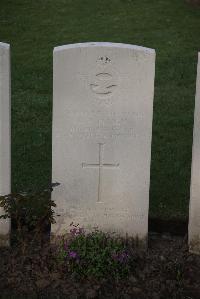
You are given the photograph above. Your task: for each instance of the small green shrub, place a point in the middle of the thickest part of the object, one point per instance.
(95, 254)
(31, 213)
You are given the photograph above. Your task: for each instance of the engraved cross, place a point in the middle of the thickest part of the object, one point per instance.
(100, 166)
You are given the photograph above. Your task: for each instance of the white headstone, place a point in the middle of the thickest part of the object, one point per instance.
(102, 128)
(5, 125)
(194, 213)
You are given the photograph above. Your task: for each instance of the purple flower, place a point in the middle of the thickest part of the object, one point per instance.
(121, 257)
(65, 246)
(114, 256)
(124, 257)
(73, 231)
(73, 254)
(77, 231)
(81, 231)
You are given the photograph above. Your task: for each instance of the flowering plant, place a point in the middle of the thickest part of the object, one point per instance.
(94, 254)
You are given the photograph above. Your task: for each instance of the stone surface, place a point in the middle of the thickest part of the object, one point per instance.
(194, 213)
(102, 128)
(5, 125)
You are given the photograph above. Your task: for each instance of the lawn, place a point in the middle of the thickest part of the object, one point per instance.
(34, 28)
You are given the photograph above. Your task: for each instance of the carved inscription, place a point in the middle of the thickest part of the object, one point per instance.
(104, 80)
(106, 213)
(100, 165)
(95, 125)
(103, 60)
(104, 84)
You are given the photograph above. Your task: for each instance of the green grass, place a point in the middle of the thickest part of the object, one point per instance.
(172, 27)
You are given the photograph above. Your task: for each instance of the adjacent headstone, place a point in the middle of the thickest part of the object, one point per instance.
(5, 125)
(102, 128)
(194, 213)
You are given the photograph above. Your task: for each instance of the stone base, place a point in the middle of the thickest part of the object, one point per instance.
(194, 245)
(141, 244)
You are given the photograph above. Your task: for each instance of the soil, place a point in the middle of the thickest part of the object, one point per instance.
(174, 226)
(165, 271)
(194, 2)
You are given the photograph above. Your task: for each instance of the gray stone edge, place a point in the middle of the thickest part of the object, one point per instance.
(106, 45)
(4, 45)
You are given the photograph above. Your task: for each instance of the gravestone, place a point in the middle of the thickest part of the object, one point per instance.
(5, 167)
(194, 213)
(102, 128)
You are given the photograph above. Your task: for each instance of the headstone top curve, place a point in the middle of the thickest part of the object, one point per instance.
(104, 44)
(4, 45)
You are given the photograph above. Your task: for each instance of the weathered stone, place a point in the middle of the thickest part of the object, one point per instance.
(194, 213)
(102, 127)
(5, 125)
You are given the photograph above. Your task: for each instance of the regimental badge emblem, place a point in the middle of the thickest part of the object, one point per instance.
(104, 80)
